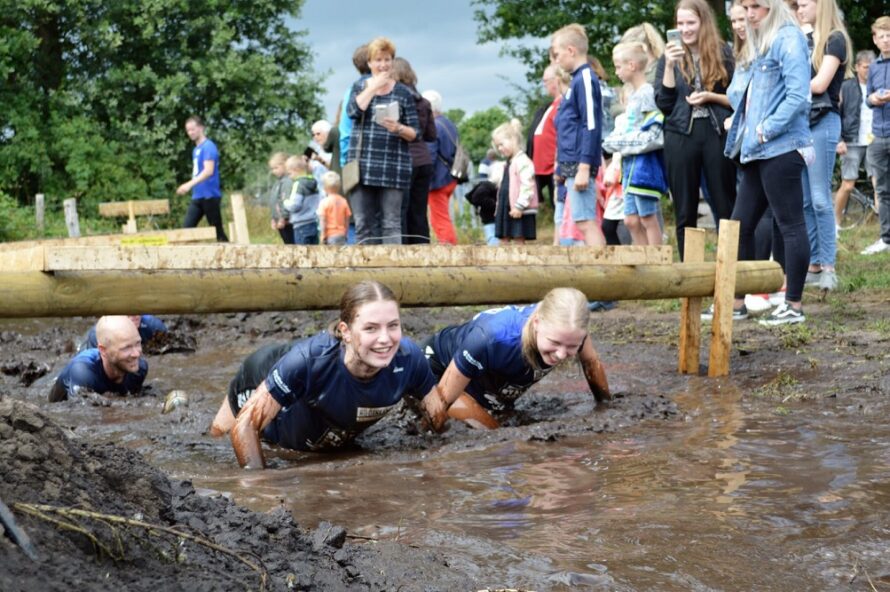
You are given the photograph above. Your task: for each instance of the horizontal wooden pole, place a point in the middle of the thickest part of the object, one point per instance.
(138, 207)
(201, 257)
(153, 237)
(94, 293)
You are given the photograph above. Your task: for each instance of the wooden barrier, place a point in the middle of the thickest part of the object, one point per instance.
(156, 237)
(133, 208)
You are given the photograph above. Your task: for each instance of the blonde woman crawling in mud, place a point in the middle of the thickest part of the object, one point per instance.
(485, 364)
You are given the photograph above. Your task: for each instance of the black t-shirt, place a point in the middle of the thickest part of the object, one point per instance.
(837, 47)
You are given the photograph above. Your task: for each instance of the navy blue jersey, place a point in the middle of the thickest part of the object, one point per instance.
(253, 371)
(148, 326)
(488, 350)
(324, 406)
(85, 372)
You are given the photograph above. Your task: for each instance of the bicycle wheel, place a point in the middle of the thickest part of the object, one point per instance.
(857, 210)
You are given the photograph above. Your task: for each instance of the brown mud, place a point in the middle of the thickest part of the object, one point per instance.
(63, 456)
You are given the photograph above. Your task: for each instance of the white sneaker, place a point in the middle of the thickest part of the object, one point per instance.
(777, 298)
(783, 315)
(879, 246)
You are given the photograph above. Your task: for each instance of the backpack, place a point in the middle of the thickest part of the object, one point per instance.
(459, 168)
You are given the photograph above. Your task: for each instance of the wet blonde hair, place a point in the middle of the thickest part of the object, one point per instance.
(357, 296)
(562, 307)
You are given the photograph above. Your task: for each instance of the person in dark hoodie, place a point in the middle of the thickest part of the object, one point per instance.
(303, 202)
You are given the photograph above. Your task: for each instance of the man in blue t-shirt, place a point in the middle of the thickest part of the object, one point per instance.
(116, 366)
(204, 185)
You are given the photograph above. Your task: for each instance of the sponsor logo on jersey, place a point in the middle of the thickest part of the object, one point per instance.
(279, 382)
(397, 369)
(472, 360)
(372, 414)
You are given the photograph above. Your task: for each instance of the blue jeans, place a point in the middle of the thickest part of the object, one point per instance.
(378, 215)
(306, 234)
(818, 206)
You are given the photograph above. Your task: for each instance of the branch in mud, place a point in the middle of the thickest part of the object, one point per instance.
(70, 522)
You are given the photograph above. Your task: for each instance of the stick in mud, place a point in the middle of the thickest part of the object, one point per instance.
(15, 532)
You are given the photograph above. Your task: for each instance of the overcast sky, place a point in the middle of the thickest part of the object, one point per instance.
(438, 37)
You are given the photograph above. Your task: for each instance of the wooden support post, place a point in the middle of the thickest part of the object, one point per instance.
(242, 236)
(71, 220)
(724, 295)
(130, 226)
(39, 208)
(690, 308)
(233, 234)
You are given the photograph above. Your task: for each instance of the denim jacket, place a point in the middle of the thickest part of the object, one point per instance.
(777, 102)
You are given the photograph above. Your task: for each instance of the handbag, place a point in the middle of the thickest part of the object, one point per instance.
(459, 168)
(351, 174)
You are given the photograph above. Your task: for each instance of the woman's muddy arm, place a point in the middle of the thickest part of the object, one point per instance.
(437, 401)
(594, 372)
(253, 418)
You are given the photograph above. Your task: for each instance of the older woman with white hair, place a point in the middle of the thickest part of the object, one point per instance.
(327, 138)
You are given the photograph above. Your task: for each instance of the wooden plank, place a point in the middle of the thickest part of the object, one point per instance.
(71, 220)
(29, 259)
(138, 207)
(724, 294)
(39, 208)
(690, 308)
(155, 237)
(227, 256)
(92, 293)
(242, 235)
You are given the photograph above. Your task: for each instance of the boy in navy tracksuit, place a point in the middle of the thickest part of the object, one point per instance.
(578, 130)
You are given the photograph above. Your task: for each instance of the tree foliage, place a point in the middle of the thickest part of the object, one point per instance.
(519, 21)
(475, 130)
(95, 93)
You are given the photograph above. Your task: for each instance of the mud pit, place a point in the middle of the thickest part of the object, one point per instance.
(773, 479)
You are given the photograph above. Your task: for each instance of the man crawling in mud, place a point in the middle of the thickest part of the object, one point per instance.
(115, 366)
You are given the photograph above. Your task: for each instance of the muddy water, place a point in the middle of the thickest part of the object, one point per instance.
(729, 495)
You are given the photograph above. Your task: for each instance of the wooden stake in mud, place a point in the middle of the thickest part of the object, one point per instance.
(39, 205)
(690, 308)
(724, 294)
(242, 236)
(130, 226)
(71, 220)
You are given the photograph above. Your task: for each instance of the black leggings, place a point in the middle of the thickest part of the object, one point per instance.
(208, 206)
(545, 182)
(415, 226)
(775, 182)
(686, 160)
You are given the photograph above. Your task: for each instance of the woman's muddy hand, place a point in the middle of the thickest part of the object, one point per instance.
(434, 409)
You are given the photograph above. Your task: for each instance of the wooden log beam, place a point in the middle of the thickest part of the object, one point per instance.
(94, 293)
(302, 257)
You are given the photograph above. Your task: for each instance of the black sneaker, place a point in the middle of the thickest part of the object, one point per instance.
(783, 315)
(739, 314)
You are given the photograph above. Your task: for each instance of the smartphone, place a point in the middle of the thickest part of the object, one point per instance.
(673, 36)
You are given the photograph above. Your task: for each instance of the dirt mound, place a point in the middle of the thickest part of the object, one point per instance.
(90, 506)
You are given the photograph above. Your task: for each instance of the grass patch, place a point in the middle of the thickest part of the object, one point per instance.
(796, 335)
(780, 387)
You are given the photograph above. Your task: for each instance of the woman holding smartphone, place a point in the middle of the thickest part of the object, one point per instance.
(690, 89)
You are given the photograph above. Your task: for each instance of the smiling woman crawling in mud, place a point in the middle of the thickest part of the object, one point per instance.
(330, 387)
(488, 362)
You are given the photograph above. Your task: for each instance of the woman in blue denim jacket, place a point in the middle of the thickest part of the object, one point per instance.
(770, 138)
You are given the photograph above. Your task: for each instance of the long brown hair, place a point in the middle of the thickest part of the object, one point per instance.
(710, 47)
(357, 296)
(565, 307)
